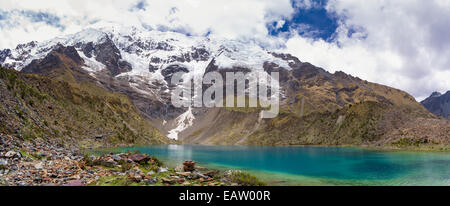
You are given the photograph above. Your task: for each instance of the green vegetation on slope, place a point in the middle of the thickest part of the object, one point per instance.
(365, 123)
(33, 106)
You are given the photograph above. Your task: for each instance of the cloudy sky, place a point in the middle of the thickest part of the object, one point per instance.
(402, 43)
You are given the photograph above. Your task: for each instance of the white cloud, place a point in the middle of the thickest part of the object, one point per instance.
(228, 19)
(403, 44)
(306, 4)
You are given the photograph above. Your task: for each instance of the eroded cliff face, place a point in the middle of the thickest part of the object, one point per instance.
(316, 107)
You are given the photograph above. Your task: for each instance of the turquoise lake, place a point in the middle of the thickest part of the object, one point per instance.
(313, 165)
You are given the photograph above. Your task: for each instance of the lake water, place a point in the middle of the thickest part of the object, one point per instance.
(313, 165)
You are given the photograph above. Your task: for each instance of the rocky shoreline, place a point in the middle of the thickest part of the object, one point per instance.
(48, 163)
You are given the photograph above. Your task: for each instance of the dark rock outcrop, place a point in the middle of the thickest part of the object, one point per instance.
(438, 104)
(172, 69)
(4, 54)
(55, 60)
(108, 54)
(88, 49)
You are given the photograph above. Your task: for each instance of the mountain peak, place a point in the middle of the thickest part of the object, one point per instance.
(138, 46)
(438, 104)
(435, 94)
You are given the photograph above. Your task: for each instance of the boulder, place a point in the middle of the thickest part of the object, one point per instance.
(139, 158)
(189, 166)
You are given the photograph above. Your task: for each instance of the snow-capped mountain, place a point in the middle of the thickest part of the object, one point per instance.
(317, 107)
(147, 52)
(146, 59)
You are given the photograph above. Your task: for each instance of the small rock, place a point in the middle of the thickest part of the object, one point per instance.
(116, 158)
(212, 173)
(179, 168)
(213, 184)
(138, 178)
(168, 181)
(42, 154)
(200, 175)
(74, 183)
(180, 180)
(10, 154)
(111, 163)
(150, 181)
(139, 158)
(200, 168)
(3, 162)
(162, 169)
(135, 178)
(39, 165)
(185, 174)
(37, 180)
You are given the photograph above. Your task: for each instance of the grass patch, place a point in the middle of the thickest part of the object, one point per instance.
(33, 156)
(114, 181)
(245, 179)
(410, 141)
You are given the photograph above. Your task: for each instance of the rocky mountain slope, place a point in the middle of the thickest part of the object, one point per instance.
(77, 114)
(38, 162)
(438, 104)
(317, 107)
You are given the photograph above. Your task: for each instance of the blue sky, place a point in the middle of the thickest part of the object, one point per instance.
(315, 22)
(404, 43)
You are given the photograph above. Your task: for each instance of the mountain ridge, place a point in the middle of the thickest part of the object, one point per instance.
(317, 107)
(75, 111)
